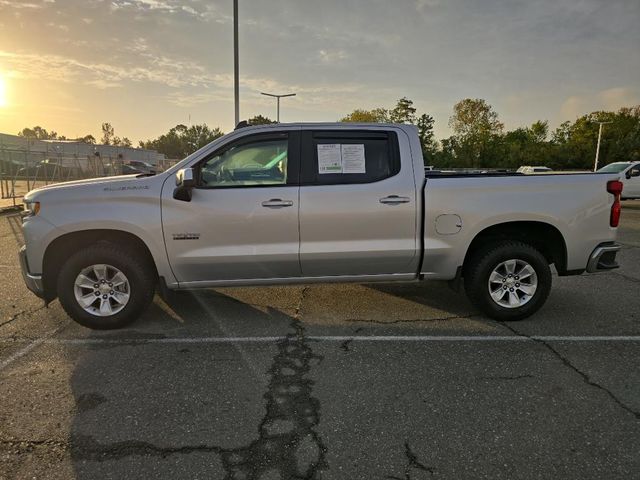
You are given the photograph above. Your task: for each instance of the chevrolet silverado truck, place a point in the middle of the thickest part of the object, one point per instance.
(313, 203)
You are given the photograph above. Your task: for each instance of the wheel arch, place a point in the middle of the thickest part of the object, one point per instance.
(65, 245)
(541, 235)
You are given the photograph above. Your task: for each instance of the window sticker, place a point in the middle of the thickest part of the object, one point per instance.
(329, 158)
(337, 158)
(353, 159)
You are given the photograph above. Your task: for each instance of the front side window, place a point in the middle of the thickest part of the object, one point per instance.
(259, 163)
(614, 167)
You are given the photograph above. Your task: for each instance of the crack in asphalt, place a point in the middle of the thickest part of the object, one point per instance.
(413, 465)
(347, 343)
(411, 320)
(19, 314)
(84, 447)
(626, 277)
(287, 442)
(499, 377)
(585, 378)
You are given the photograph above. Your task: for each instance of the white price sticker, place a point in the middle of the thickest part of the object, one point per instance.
(353, 160)
(329, 158)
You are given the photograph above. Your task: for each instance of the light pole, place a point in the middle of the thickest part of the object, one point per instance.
(595, 165)
(236, 62)
(278, 97)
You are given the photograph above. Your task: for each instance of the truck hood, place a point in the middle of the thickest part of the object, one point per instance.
(104, 184)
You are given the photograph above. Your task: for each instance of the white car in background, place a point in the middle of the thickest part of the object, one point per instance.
(527, 170)
(631, 179)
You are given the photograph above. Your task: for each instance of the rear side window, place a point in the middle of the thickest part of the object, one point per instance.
(335, 157)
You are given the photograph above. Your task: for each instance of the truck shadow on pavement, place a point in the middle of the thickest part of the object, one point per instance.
(284, 443)
(126, 397)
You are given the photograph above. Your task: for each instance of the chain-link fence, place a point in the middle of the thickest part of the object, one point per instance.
(22, 170)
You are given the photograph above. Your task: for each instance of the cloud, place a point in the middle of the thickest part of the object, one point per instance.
(615, 98)
(20, 5)
(610, 99)
(332, 56)
(573, 107)
(206, 11)
(422, 5)
(147, 67)
(191, 82)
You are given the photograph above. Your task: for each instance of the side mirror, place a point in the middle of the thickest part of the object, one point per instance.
(185, 181)
(633, 173)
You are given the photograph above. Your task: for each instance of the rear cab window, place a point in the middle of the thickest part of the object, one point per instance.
(335, 157)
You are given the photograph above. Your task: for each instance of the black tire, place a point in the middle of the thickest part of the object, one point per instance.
(482, 264)
(140, 274)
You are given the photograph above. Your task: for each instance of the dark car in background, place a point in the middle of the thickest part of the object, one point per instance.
(142, 167)
(50, 170)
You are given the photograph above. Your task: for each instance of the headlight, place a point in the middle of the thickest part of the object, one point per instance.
(31, 208)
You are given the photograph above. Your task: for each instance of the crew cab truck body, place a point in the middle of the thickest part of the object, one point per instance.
(306, 203)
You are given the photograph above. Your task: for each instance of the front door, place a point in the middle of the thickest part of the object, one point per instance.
(357, 204)
(632, 185)
(242, 220)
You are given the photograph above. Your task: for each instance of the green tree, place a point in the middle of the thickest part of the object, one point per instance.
(260, 120)
(86, 139)
(574, 144)
(107, 134)
(181, 140)
(377, 115)
(38, 133)
(475, 124)
(403, 112)
(474, 118)
(428, 141)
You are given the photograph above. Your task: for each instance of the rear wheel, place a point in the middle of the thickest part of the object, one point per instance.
(508, 280)
(103, 287)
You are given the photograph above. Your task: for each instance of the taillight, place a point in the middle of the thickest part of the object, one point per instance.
(614, 187)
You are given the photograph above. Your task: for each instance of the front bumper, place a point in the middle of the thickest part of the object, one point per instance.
(33, 282)
(604, 257)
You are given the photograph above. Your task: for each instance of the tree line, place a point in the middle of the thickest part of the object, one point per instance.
(478, 140)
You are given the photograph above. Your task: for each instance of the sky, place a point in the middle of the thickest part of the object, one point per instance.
(147, 65)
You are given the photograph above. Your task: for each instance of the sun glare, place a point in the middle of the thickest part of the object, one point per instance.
(3, 93)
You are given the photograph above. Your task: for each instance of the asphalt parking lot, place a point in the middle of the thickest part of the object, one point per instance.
(334, 382)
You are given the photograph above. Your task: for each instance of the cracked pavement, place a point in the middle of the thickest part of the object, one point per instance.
(162, 400)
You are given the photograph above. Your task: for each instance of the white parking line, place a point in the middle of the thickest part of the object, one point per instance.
(315, 338)
(20, 353)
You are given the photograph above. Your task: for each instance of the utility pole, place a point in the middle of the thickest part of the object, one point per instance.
(236, 63)
(595, 165)
(278, 97)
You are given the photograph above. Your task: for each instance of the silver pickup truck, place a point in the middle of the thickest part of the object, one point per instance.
(306, 203)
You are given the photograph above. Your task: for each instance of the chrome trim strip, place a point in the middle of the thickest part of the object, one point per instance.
(295, 280)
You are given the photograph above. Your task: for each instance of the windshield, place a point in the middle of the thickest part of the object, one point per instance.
(615, 167)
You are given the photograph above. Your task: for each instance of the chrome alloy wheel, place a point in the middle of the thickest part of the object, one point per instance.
(102, 290)
(513, 283)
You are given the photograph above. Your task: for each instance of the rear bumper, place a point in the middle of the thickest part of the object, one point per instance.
(604, 257)
(33, 282)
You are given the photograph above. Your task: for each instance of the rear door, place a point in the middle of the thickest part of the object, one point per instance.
(357, 203)
(242, 220)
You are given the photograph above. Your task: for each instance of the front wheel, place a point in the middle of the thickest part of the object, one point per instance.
(103, 287)
(508, 280)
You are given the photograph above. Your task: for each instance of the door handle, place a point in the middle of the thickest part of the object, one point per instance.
(277, 203)
(394, 200)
